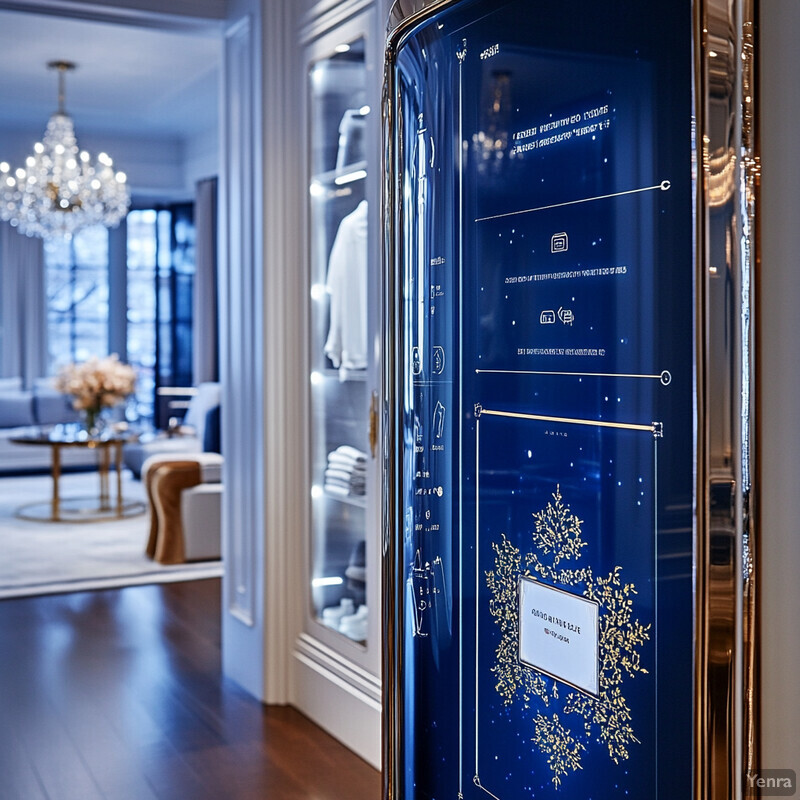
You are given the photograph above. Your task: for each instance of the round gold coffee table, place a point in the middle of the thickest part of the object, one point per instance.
(77, 509)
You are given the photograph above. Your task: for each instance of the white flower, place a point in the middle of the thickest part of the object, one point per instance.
(97, 382)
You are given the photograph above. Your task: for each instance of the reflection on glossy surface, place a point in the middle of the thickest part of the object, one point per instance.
(339, 417)
(463, 126)
(119, 694)
(725, 673)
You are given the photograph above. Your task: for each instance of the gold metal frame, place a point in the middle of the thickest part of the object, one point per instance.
(726, 536)
(726, 181)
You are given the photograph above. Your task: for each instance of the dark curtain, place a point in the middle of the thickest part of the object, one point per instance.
(23, 306)
(206, 322)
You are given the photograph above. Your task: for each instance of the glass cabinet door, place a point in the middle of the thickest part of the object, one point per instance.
(338, 339)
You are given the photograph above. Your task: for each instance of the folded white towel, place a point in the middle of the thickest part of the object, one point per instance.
(338, 490)
(345, 462)
(351, 452)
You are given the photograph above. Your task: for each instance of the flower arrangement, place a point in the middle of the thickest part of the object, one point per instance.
(95, 384)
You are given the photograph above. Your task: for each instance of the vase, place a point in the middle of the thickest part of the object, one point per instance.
(93, 421)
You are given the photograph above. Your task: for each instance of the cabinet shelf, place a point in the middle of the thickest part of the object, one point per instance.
(337, 678)
(339, 177)
(359, 501)
(352, 375)
(337, 212)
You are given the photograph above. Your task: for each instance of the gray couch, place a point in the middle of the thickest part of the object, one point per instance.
(23, 410)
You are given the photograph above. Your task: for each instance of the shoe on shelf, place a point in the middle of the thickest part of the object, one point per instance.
(332, 616)
(355, 625)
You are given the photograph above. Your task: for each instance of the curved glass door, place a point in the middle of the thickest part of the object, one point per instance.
(338, 340)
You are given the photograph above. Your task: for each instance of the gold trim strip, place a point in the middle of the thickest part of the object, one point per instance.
(726, 194)
(752, 181)
(653, 427)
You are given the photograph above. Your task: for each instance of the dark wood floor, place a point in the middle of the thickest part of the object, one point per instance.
(118, 695)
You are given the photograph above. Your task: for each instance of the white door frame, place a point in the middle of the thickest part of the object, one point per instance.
(254, 40)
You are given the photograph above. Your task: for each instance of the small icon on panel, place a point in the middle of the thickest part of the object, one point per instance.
(559, 243)
(438, 419)
(566, 316)
(418, 583)
(426, 591)
(547, 317)
(416, 361)
(438, 360)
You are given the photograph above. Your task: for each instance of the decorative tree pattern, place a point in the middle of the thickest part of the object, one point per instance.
(557, 537)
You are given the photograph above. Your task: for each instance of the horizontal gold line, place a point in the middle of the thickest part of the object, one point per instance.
(630, 426)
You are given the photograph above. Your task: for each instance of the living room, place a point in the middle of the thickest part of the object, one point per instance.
(149, 98)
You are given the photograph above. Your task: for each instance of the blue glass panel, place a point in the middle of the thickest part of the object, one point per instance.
(546, 268)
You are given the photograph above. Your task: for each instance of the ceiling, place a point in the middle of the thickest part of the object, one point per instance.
(130, 81)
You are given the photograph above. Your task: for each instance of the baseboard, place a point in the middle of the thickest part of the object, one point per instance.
(344, 703)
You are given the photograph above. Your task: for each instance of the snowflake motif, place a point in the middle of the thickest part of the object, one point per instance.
(558, 531)
(558, 537)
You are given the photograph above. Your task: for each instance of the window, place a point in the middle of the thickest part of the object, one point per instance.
(159, 278)
(143, 250)
(161, 264)
(77, 296)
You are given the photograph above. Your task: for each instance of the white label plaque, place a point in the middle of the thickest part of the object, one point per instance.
(558, 634)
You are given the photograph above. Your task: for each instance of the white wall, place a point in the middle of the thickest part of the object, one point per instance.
(146, 10)
(156, 167)
(201, 157)
(779, 384)
(153, 166)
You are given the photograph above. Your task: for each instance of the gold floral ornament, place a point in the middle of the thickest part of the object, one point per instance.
(557, 537)
(95, 384)
(558, 531)
(563, 751)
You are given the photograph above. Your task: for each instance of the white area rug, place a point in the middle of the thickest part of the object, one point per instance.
(52, 557)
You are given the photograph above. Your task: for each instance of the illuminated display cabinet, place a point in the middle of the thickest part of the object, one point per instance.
(338, 652)
(569, 569)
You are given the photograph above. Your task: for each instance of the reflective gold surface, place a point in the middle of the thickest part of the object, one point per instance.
(725, 736)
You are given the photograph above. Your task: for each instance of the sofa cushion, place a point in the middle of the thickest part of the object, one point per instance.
(44, 384)
(136, 453)
(211, 432)
(16, 409)
(51, 407)
(10, 384)
(206, 398)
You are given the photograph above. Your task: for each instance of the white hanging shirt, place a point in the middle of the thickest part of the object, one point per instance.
(347, 284)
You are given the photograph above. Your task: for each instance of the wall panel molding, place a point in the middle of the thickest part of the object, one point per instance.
(241, 353)
(243, 361)
(283, 375)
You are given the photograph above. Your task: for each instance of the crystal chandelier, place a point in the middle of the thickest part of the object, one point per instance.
(60, 190)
